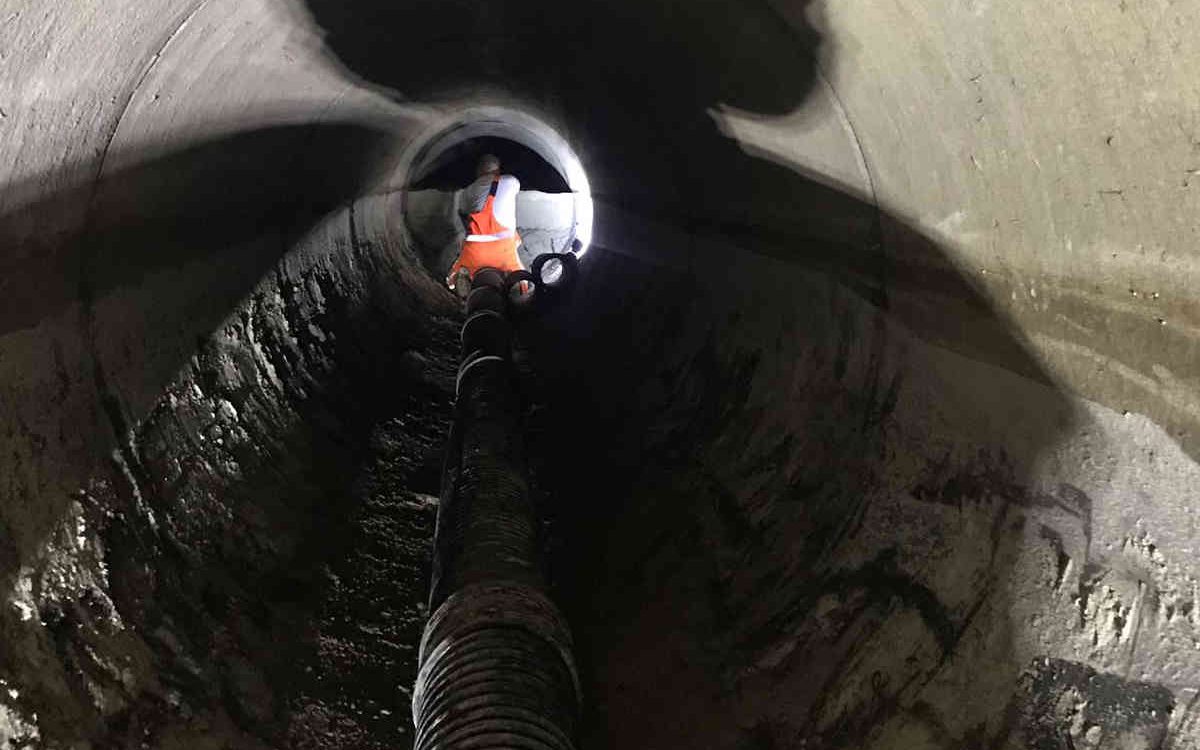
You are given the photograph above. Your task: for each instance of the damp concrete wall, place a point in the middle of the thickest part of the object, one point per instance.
(873, 422)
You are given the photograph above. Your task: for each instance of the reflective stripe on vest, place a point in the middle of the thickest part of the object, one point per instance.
(491, 237)
(482, 226)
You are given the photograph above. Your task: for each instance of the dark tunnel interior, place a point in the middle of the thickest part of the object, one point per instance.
(789, 453)
(455, 167)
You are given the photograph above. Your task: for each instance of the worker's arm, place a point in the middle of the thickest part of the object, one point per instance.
(505, 207)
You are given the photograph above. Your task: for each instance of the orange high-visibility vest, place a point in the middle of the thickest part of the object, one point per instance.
(489, 244)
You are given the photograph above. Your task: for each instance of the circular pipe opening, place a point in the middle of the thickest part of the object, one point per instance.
(455, 166)
(437, 157)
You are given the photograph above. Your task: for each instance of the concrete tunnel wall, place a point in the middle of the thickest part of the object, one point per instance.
(879, 397)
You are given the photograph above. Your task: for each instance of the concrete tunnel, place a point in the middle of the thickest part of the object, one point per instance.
(872, 423)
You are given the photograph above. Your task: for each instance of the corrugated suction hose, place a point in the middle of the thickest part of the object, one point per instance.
(496, 665)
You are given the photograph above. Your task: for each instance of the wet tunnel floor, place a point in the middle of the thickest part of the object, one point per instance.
(353, 689)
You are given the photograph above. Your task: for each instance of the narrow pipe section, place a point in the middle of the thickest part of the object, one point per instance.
(496, 668)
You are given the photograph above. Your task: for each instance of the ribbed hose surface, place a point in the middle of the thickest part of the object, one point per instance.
(496, 672)
(496, 666)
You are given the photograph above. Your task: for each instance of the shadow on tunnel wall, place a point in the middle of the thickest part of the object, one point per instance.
(167, 210)
(146, 261)
(129, 271)
(716, 551)
(766, 524)
(239, 392)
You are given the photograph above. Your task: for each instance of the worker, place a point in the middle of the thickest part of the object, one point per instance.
(488, 207)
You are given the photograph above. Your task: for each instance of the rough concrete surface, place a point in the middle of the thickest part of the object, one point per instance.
(873, 423)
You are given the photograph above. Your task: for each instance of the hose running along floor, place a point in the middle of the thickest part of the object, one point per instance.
(872, 421)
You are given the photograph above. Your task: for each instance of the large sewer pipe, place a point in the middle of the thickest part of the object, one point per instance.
(872, 422)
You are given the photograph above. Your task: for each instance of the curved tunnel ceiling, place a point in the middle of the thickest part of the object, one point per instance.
(945, 249)
(1060, 196)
